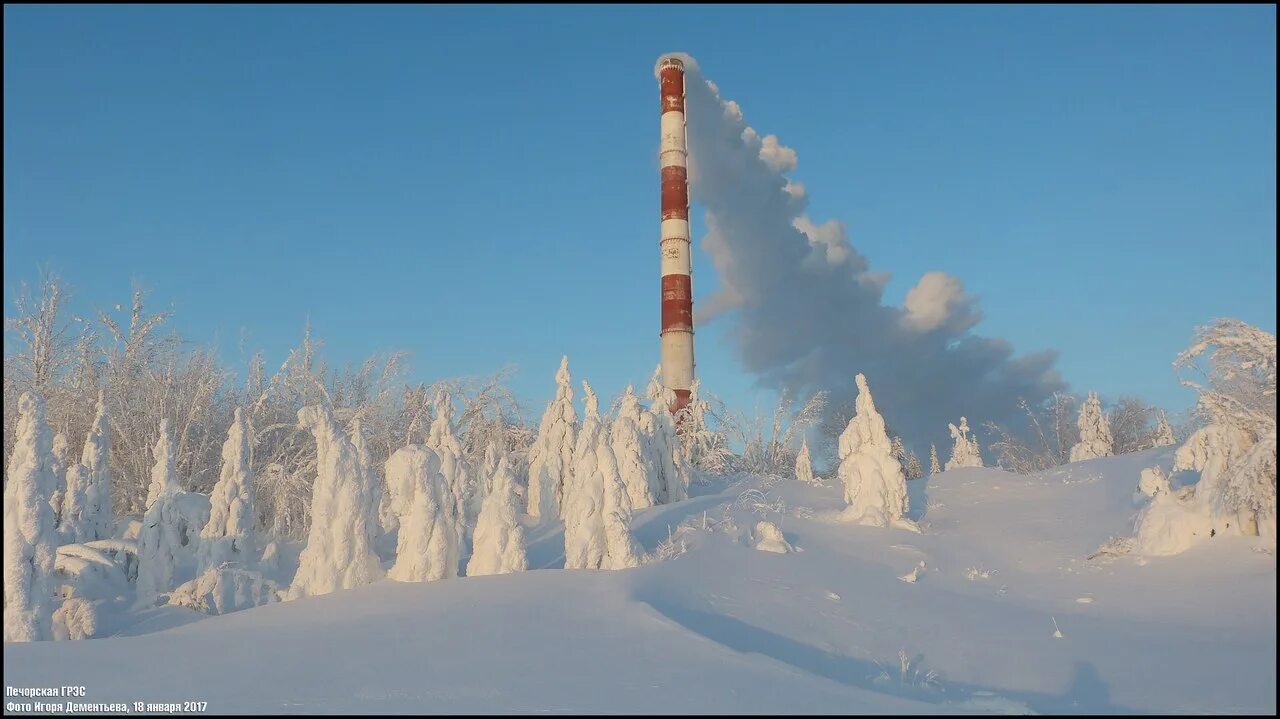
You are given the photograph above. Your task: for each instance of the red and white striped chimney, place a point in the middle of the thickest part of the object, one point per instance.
(677, 285)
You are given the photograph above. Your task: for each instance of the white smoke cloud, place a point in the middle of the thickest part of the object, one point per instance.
(805, 309)
(938, 300)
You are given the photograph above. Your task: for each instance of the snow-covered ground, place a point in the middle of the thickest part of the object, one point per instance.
(993, 607)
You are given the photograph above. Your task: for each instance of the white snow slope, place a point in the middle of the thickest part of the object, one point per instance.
(725, 628)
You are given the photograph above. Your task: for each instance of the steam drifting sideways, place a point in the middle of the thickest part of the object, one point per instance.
(805, 307)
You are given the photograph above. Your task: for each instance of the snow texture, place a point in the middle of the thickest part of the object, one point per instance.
(344, 514)
(964, 450)
(499, 537)
(874, 486)
(551, 457)
(228, 535)
(30, 537)
(429, 546)
(1095, 432)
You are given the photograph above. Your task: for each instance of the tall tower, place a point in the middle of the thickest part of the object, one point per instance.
(677, 285)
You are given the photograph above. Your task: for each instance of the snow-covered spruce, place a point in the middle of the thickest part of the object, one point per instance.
(74, 520)
(1163, 435)
(499, 546)
(934, 467)
(228, 535)
(1095, 432)
(964, 450)
(804, 466)
(99, 520)
(551, 457)
(30, 537)
(629, 452)
(914, 470)
(620, 548)
(58, 466)
(76, 619)
(160, 540)
(874, 485)
(344, 516)
(429, 545)
(443, 440)
(658, 427)
(584, 542)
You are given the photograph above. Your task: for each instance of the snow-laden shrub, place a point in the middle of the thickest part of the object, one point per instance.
(705, 449)
(1095, 432)
(429, 545)
(874, 486)
(499, 537)
(228, 536)
(1153, 481)
(30, 537)
(766, 537)
(551, 457)
(76, 619)
(339, 552)
(964, 449)
(226, 588)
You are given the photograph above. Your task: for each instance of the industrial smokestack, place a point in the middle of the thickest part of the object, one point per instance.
(677, 284)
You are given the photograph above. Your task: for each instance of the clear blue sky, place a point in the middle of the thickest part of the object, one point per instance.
(478, 185)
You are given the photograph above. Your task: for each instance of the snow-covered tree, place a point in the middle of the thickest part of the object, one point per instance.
(99, 520)
(76, 619)
(629, 452)
(874, 485)
(1235, 453)
(30, 537)
(934, 467)
(499, 537)
(228, 535)
(344, 514)
(430, 540)
(1129, 421)
(443, 440)
(804, 467)
(705, 449)
(59, 467)
(584, 541)
(1163, 435)
(658, 428)
(620, 548)
(160, 542)
(72, 521)
(1095, 432)
(964, 450)
(551, 458)
(914, 470)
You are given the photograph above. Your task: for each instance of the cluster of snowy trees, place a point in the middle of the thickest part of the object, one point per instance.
(1234, 451)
